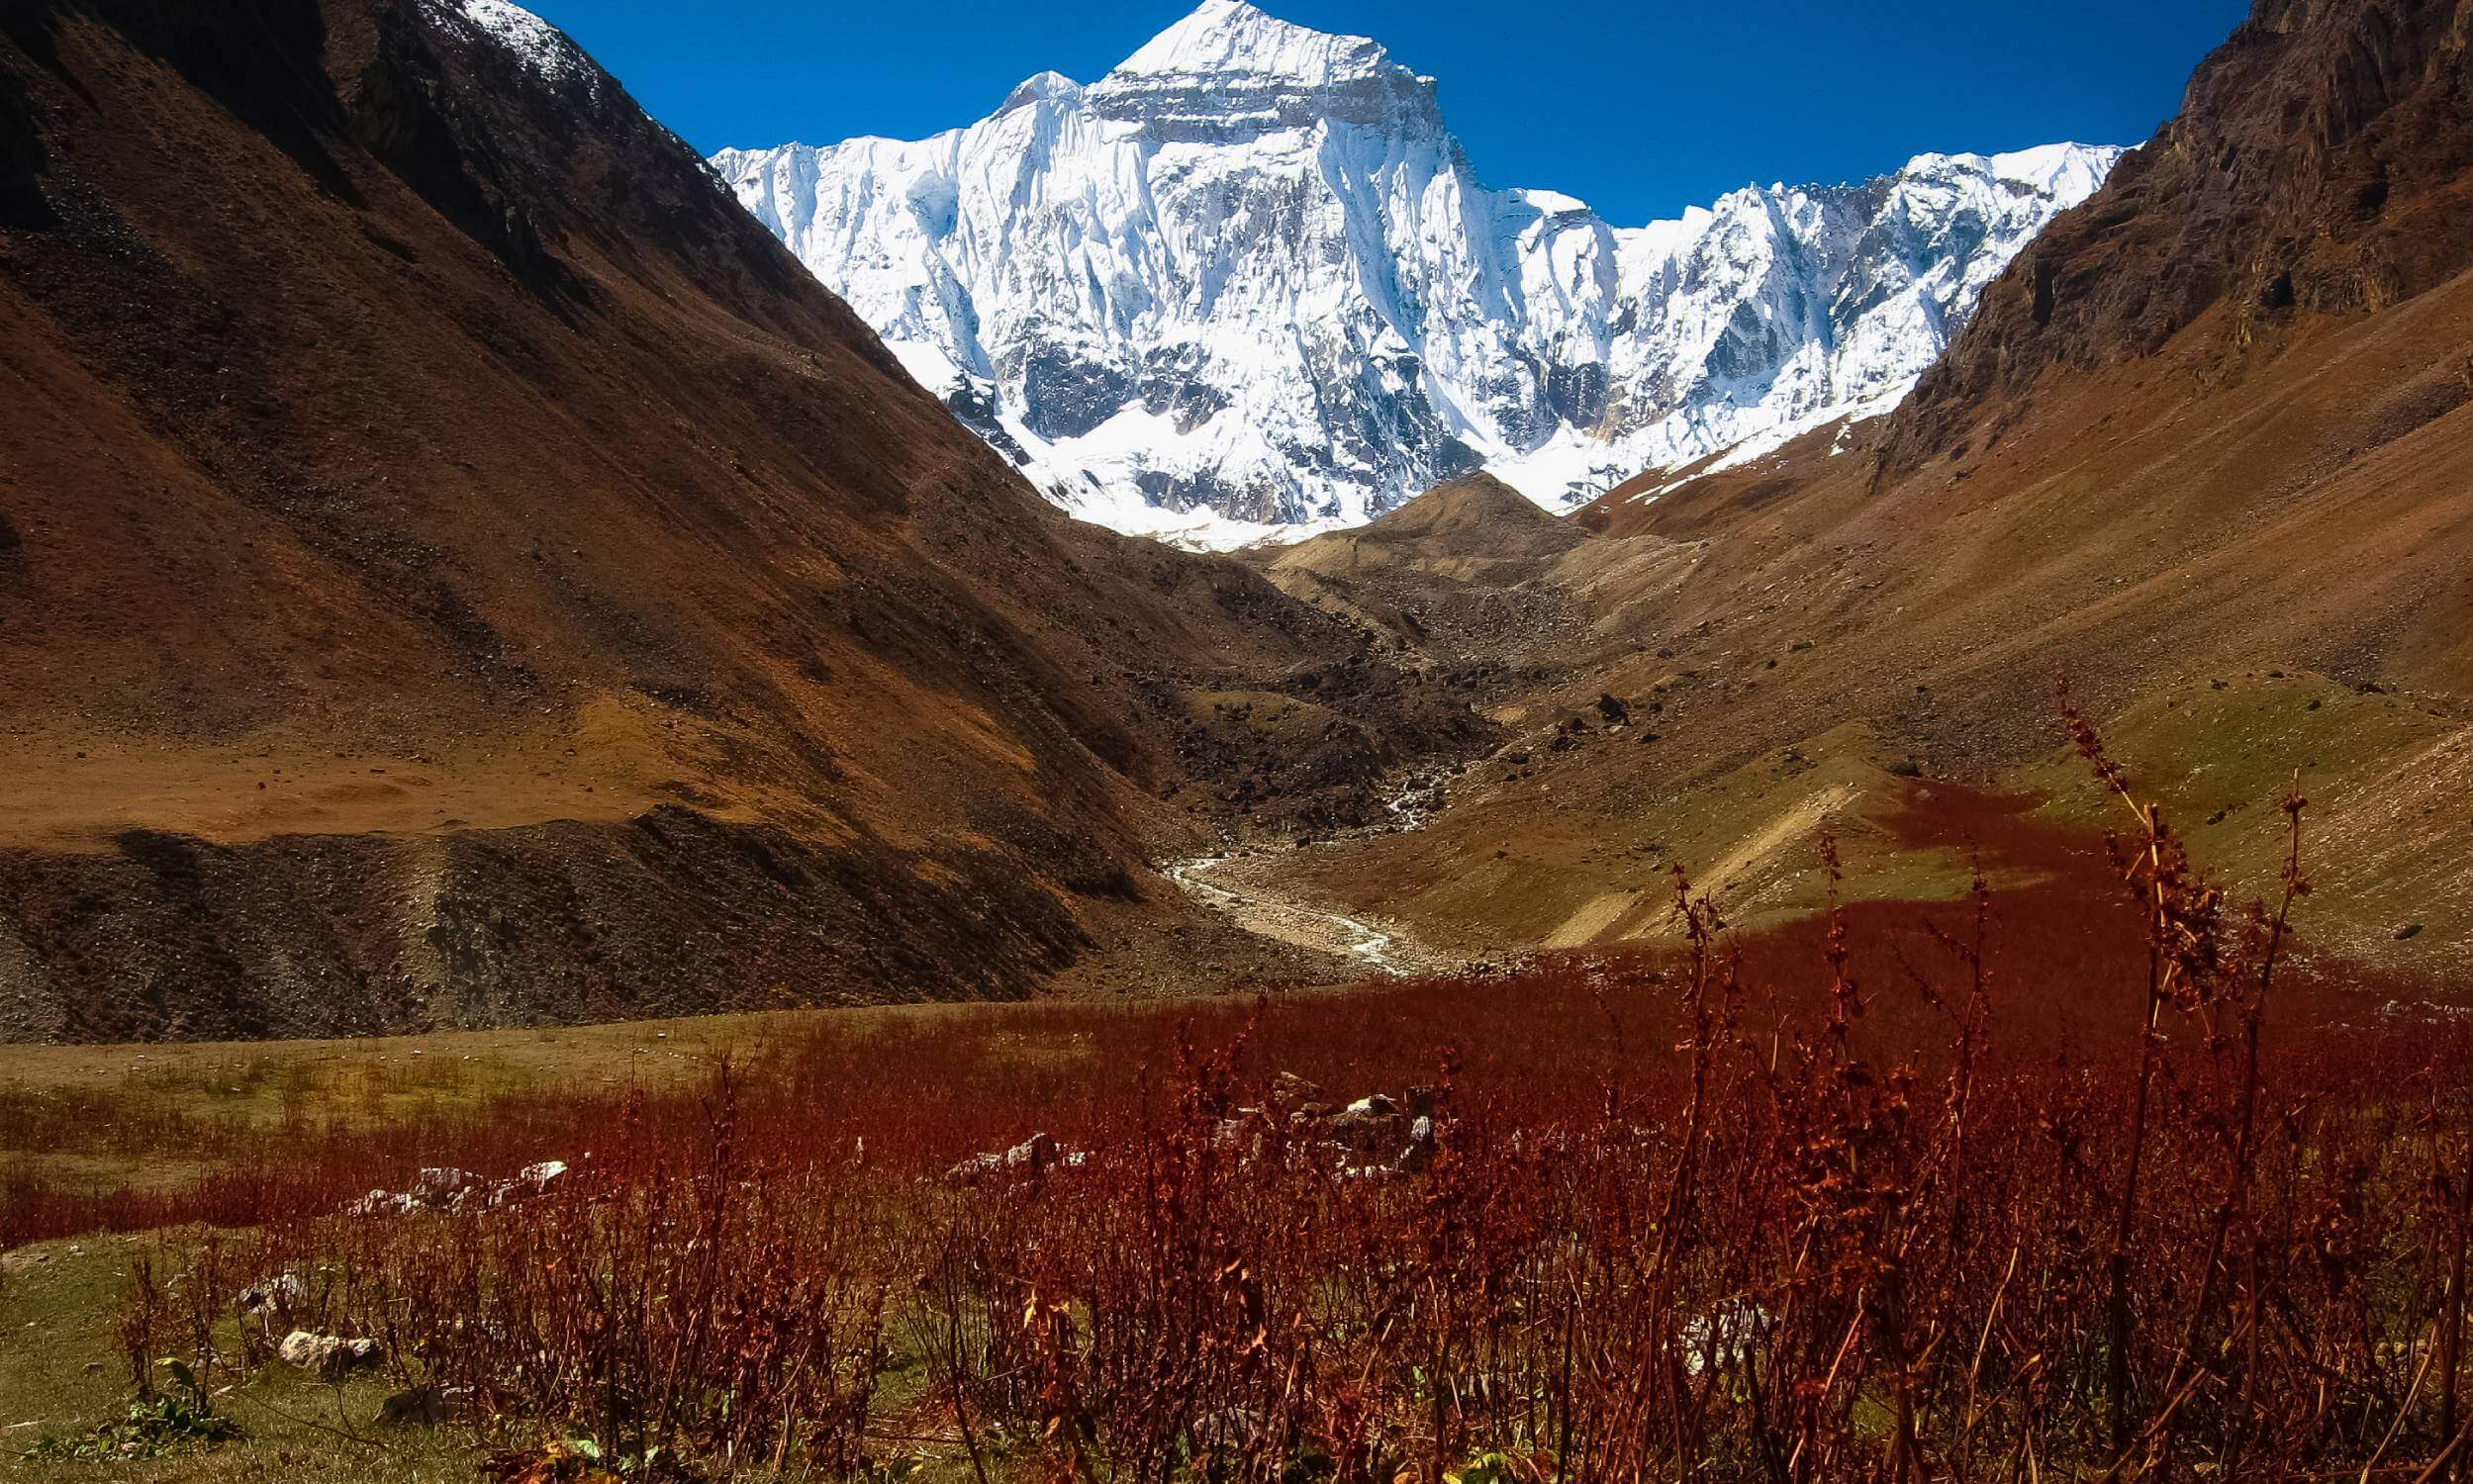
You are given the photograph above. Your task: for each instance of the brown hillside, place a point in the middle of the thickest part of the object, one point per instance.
(1474, 578)
(455, 567)
(2244, 530)
(2320, 165)
(1478, 518)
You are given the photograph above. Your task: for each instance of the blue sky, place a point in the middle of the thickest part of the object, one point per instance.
(1638, 108)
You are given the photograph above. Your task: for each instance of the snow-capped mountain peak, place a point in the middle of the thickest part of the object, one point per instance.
(1248, 280)
(1228, 72)
(1229, 39)
(1042, 87)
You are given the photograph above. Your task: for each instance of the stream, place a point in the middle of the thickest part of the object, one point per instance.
(1278, 915)
(1275, 914)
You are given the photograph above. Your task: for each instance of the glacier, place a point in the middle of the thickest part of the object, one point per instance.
(1248, 284)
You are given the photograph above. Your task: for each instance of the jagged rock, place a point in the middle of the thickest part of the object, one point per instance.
(443, 1189)
(1032, 1158)
(1290, 1084)
(384, 1203)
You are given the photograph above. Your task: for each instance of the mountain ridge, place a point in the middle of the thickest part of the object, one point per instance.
(1249, 280)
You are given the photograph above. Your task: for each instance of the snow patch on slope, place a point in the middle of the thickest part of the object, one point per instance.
(541, 47)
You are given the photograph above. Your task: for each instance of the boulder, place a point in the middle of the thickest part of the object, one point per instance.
(1032, 1158)
(1418, 1157)
(426, 1406)
(1728, 1337)
(327, 1356)
(1376, 1135)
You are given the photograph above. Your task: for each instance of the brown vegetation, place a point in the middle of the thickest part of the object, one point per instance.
(1845, 1206)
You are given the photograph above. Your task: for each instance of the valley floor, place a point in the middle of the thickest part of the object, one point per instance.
(198, 1165)
(1510, 945)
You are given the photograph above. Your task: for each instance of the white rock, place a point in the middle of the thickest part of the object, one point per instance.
(329, 1355)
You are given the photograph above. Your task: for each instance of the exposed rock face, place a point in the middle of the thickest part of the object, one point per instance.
(2318, 167)
(1249, 276)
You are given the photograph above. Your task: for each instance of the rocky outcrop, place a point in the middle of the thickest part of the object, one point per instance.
(2318, 167)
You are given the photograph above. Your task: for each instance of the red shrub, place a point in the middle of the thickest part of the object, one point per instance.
(1990, 1189)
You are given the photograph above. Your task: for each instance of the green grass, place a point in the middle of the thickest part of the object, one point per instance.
(2230, 743)
(252, 1090)
(58, 1369)
(2385, 839)
(62, 1375)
